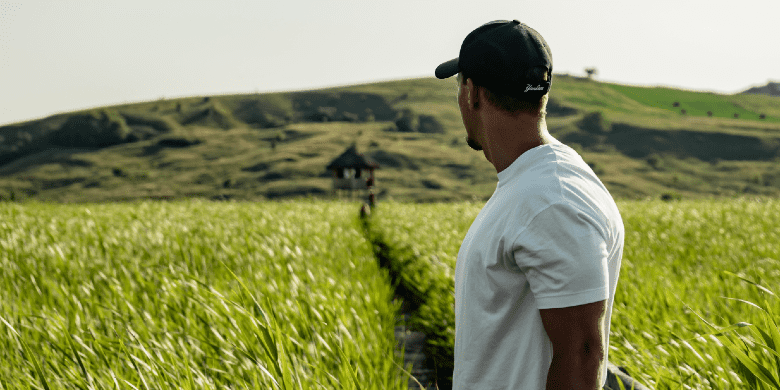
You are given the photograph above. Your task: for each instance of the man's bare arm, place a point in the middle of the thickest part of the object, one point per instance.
(579, 345)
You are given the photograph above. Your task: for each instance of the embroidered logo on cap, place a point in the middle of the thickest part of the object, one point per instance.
(530, 88)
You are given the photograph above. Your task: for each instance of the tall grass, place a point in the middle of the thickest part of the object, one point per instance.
(200, 295)
(673, 326)
(192, 295)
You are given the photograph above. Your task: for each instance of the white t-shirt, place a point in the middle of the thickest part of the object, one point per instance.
(550, 236)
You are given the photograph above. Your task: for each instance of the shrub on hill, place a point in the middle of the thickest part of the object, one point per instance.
(407, 121)
(323, 114)
(593, 123)
(429, 124)
(93, 129)
(671, 196)
(655, 161)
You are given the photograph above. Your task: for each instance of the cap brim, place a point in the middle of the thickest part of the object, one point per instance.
(447, 69)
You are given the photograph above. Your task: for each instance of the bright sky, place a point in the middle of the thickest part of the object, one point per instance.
(64, 55)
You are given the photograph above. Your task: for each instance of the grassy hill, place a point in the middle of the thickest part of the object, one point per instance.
(276, 145)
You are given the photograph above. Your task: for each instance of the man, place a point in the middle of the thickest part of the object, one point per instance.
(536, 274)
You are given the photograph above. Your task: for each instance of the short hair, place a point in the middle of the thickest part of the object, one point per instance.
(514, 105)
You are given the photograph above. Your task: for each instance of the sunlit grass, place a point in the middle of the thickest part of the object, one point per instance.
(201, 295)
(192, 295)
(694, 103)
(673, 269)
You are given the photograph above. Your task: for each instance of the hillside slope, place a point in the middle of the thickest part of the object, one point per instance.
(640, 141)
(771, 89)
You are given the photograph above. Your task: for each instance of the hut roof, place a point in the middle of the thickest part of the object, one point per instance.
(352, 159)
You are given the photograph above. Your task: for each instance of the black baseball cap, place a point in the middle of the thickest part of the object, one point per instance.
(502, 56)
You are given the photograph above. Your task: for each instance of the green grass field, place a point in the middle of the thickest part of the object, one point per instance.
(192, 295)
(203, 295)
(673, 267)
(694, 103)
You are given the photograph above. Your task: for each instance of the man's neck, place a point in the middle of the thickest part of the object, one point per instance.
(509, 139)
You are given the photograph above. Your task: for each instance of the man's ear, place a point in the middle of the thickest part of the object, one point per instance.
(473, 94)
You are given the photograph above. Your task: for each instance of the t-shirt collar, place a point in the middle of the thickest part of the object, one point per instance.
(522, 163)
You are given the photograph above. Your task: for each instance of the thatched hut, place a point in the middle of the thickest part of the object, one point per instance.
(353, 171)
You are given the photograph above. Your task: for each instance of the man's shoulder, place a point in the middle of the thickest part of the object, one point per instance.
(577, 197)
(559, 176)
(556, 160)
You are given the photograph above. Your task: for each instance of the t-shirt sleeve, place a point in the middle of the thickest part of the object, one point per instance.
(564, 256)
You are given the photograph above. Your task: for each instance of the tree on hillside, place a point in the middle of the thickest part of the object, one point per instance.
(591, 72)
(593, 123)
(407, 121)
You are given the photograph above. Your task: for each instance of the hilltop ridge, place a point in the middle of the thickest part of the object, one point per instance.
(771, 89)
(641, 141)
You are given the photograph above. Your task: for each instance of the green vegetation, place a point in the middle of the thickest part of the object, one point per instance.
(674, 277)
(289, 295)
(276, 145)
(195, 294)
(694, 103)
(192, 295)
